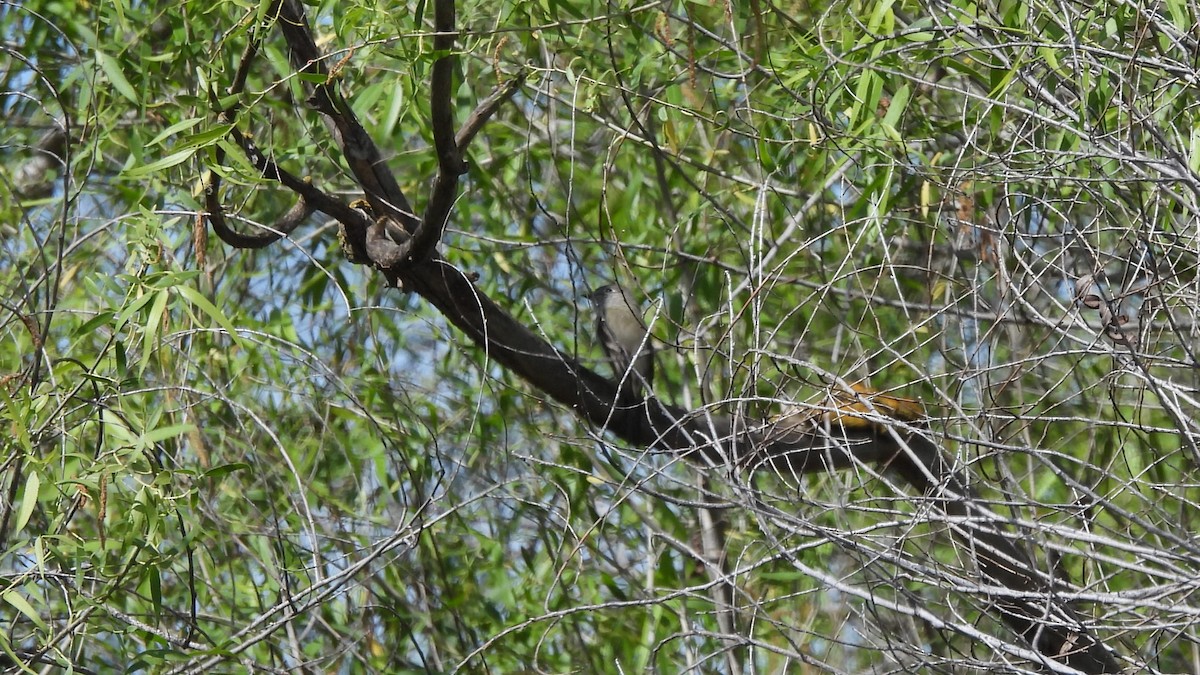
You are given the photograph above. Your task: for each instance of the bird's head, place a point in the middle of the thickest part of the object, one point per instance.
(598, 294)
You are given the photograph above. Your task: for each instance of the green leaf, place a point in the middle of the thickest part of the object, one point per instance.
(174, 159)
(156, 599)
(211, 310)
(22, 605)
(1194, 150)
(29, 501)
(174, 129)
(866, 98)
(396, 105)
(207, 137)
(218, 472)
(151, 328)
(116, 428)
(112, 69)
(93, 324)
(897, 106)
(18, 427)
(883, 10)
(162, 433)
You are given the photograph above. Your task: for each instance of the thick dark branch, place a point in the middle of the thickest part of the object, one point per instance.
(316, 198)
(387, 247)
(290, 220)
(363, 156)
(450, 163)
(243, 71)
(310, 198)
(286, 223)
(358, 149)
(712, 438)
(441, 90)
(1052, 627)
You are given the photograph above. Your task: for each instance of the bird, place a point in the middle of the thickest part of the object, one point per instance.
(854, 408)
(624, 337)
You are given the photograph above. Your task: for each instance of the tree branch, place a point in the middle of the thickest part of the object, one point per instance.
(358, 149)
(1052, 627)
(484, 111)
(450, 163)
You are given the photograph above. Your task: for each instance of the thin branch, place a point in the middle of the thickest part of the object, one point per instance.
(310, 199)
(484, 111)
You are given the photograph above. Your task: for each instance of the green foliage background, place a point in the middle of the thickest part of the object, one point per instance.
(239, 460)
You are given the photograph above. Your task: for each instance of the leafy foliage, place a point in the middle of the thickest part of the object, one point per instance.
(269, 460)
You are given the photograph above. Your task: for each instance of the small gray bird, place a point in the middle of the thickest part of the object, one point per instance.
(624, 337)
